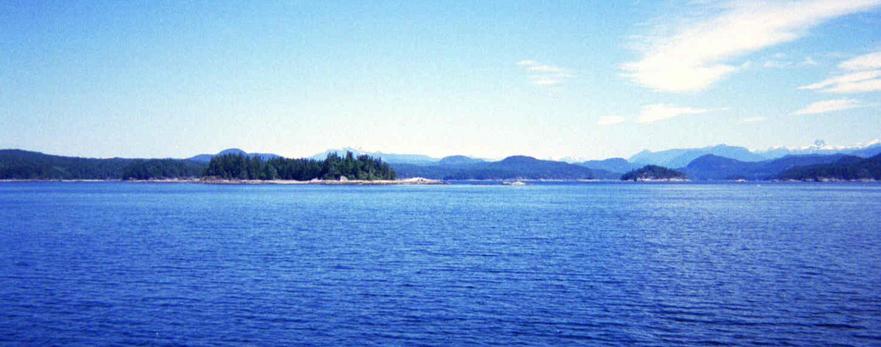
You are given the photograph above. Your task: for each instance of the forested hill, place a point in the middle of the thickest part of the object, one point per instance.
(18, 164)
(845, 169)
(333, 167)
(711, 167)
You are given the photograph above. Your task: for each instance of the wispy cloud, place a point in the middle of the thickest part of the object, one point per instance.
(659, 112)
(827, 106)
(861, 74)
(610, 120)
(751, 120)
(863, 62)
(785, 64)
(543, 74)
(698, 54)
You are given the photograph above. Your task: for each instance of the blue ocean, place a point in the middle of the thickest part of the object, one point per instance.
(542, 264)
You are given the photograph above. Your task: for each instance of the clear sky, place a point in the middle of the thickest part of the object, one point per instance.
(551, 79)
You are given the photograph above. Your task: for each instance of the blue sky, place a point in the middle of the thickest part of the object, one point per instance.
(578, 79)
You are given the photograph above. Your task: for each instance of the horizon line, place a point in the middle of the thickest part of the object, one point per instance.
(817, 146)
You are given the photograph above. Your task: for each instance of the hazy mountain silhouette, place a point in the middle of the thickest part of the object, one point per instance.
(619, 165)
(205, 158)
(681, 157)
(713, 167)
(847, 168)
(390, 158)
(514, 167)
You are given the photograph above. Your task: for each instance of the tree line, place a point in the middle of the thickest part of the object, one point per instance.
(334, 167)
(18, 164)
(144, 169)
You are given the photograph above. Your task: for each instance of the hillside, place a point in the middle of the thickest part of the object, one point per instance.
(612, 165)
(681, 157)
(509, 168)
(458, 160)
(845, 169)
(391, 158)
(19, 164)
(205, 158)
(712, 167)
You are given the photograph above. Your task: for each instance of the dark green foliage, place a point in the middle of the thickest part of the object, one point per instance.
(235, 166)
(17, 164)
(847, 168)
(162, 169)
(652, 172)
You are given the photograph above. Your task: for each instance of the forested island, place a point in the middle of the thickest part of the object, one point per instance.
(25, 165)
(653, 173)
(333, 167)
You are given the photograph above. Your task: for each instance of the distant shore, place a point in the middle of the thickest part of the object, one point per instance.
(407, 181)
(424, 181)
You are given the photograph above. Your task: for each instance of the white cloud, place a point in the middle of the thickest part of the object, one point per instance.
(698, 55)
(863, 62)
(857, 87)
(543, 74)
(610, 120)
(783, 64)
(855, 82)
(829, 106)
(853, 77)
(861, 74)
(659, 112)
(750, 120)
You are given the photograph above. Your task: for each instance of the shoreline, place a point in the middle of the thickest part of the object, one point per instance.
(408, 181)
(422, 181)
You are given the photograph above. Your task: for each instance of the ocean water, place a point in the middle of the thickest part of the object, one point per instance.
(560, 264)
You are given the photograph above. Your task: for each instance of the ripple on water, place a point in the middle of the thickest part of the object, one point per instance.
(776, 264)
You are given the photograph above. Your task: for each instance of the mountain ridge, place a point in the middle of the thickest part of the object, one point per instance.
(512, 167)
(849, 168)
(713, 167)
(390, 158)
(15, 163)
(205, 158)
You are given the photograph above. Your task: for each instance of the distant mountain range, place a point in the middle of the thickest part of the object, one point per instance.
(611, 165)
(390, 158)
(205, 158)
(847, 168)
(681, 157)
(412, 165)
(866, 151)
(713, 167)
(677, 158)
(514, 167)
(719, 162)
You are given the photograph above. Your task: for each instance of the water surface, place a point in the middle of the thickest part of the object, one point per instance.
(647, 264)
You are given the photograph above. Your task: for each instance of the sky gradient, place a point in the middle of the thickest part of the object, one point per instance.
(568, 79)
